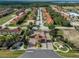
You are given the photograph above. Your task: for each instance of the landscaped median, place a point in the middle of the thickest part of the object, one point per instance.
(65, 50)
(61, 48)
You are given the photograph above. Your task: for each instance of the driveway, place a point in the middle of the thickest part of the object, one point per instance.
(39, 53)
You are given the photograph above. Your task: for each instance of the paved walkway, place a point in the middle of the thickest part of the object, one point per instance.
(65, 28)
(50, 46)
(39, 53)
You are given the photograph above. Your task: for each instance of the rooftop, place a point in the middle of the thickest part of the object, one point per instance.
(73, 14)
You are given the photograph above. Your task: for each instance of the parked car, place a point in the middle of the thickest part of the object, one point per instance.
(17, 45)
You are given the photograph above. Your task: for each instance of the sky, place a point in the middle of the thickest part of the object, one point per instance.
(39, 0)
(43, 0)
(25, 0)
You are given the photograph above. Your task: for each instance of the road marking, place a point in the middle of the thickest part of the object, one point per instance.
(30, 51)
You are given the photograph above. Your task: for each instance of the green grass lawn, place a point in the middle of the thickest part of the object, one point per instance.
(7, 18)
(60, 32)
(70, 54)
(60, 47)
(12, 25)
(10, 54)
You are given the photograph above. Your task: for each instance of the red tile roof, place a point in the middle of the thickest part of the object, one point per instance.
(49, 20)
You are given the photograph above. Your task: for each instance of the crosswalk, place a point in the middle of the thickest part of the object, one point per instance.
(50, 46)
(47, 46)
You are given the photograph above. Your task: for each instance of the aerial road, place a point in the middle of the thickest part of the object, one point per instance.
(38, 52)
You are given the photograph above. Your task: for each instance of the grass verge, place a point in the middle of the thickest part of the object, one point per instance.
(6, 18)
(10, 54)
(70, 54)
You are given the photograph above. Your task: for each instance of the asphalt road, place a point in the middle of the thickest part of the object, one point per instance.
(39, 53)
